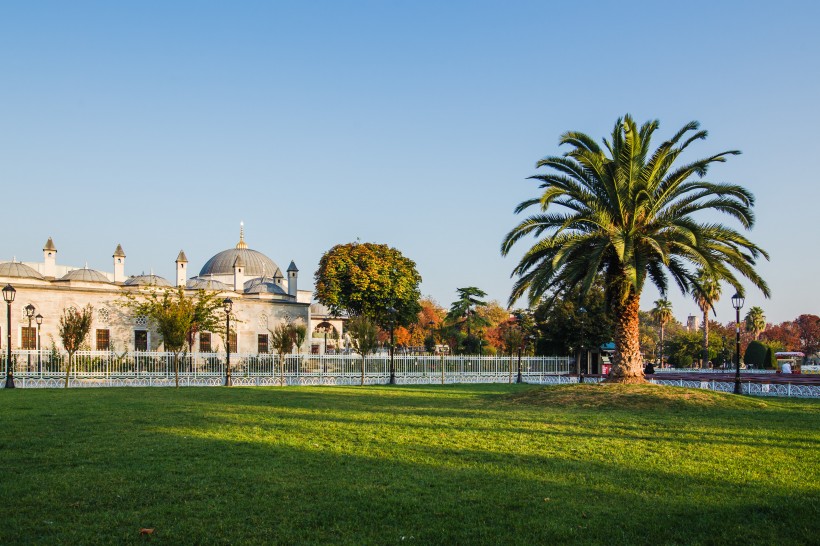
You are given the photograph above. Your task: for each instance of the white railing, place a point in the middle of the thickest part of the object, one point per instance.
(265, 368)
(712, 370)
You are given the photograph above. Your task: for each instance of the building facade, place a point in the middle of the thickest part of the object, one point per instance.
(263, 296)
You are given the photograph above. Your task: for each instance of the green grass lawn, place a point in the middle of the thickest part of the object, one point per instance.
(488, 464)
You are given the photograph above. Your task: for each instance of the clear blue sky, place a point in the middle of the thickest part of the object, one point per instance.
(161, 125)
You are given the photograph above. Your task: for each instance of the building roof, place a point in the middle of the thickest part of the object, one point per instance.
(16, 269)
(50, 245)
(181, 257)
(256, 263)
(85, 275)
(292, 267)
(146, 280)
(204, 283)
(264, 285)
(119, 252)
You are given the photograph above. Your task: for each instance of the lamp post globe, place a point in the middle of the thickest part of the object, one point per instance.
(737, 303)
(8, 296)
(227, 304)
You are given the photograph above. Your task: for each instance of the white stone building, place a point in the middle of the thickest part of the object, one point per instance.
(262, 296)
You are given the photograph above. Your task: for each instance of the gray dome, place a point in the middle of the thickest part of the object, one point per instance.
(264, 286)
(85, 275)
(198, 283)
(147, 280)
(16, 269)
(256, 263)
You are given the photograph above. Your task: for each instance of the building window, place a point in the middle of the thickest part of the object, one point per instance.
(103, 340)
(140, 340)
(232, 341)
(205, 342)
(262, 344)
(29, 338)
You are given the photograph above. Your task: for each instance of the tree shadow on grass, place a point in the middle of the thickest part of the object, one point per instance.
(206, 490)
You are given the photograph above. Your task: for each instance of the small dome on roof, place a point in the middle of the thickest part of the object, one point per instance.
(16, 269)
(264, 285)
(200, 283)
(85, 275)
(146, 280)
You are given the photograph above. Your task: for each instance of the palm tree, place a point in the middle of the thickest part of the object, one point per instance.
(755, 321)
(662, 313)
(706, 291)
(628, 211)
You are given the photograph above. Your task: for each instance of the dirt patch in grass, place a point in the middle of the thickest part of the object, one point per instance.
(631, 397)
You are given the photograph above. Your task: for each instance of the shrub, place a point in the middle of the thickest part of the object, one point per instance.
(755, 355)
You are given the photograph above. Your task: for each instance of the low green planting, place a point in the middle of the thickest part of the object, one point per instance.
(489, 464)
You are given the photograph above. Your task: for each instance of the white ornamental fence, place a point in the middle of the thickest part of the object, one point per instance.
(47, 369)
(34, 369)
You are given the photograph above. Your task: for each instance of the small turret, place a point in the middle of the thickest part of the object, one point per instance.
(293, 276)
(49, 259)
(239, 274)
(119, 264)
(182, 268)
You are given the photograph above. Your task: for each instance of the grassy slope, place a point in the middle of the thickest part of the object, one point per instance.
(457, 464)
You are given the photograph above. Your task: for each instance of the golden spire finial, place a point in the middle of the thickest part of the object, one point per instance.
(241, 243)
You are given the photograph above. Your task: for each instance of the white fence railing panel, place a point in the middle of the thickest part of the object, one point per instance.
(47, 369)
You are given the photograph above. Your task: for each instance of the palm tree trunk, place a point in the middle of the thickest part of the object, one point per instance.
(627, 362)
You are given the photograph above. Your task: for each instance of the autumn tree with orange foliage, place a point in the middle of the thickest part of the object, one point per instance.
(429, 321)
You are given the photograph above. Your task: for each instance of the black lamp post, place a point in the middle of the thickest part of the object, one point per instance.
(737, 303)
(39, 320)
(8, 295)
(583, 312)
(520, 378)
(227, 304)
(392, 311)
(29, 315)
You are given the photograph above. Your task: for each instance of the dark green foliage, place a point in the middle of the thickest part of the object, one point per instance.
(771, 360)
(755, 354)
(563, 328)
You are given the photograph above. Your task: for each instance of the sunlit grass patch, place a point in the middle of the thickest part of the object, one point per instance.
(468, 464)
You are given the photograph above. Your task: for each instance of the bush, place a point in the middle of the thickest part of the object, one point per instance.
(771, 359)
(755, 355)
(681, 361)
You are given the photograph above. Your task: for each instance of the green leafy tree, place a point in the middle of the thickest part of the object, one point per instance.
(512, 340)
(368, 279)
(662, 314)
(463, 316)
(562, 326)
(706, 292)
(628, 212)
(299, 335)
(755, 322)
(283, 338)
(176, 315)
(364, 337)
(74, 328)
